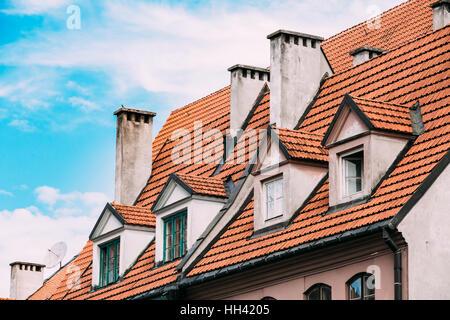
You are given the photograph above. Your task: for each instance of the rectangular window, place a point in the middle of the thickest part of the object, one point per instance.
(175, 236)
(274, 198)
(109, 262)
(353, 171)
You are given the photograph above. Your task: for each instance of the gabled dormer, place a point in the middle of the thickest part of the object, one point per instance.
(363, 140)
(121, 233)
(184, 209)
(290, 165)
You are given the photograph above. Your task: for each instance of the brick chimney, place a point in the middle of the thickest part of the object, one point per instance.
(133, 153)
(441, 14)
(364, 53)
(246, 84)
(297, 65)
(26, 278)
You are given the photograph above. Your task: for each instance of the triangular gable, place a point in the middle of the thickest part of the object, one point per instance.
(348, 122)
(268, 155)
(108, 221)
(174, 190)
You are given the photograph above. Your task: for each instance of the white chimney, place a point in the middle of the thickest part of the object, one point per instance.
(297, 65)
(441, 15)
(26, 278)
(246, 84)
(133, 153)
(364, 53)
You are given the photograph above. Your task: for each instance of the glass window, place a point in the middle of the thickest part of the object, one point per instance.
(319, 292)
(361, 287)
(274, 198)
(353, 172)
(109, 262)
(175, 236)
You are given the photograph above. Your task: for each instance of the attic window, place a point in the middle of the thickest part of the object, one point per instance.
(313, 43)
(304, 42)
(109, 262)
(261, 76)
(175, 236)
(244, 73)
(274, 198)
(353, 167)
(146, 118)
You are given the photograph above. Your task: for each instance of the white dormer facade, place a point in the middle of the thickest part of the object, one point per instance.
(114, 239)
(281, 185)
(359, 156)
(181, 218)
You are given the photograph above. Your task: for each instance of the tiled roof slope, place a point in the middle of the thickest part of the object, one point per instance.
(135, 215)
(49, 287)
(417, 71)
(398, 26)
(210, 186)
(385, 116)
(205, 110)
(302, 145)
(142, 277)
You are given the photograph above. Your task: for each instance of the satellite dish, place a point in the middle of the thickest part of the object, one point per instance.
(55, 255)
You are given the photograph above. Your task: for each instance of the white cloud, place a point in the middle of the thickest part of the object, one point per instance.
(26, 234)
(83, 104)
(33, 7)
(164, 48)
(86, 203)
(6, 193)
(23, 125)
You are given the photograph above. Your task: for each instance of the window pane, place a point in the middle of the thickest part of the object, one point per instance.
(355, 290)
(326, 293)
(270, 192)
(369, 293)
(314, 294)
(175, 245)
(353, 171)
(274, 198)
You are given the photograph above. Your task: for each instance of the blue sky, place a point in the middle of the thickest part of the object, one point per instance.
(60, 86)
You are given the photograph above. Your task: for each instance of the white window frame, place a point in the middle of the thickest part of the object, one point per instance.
(342, 172)
(281, 199)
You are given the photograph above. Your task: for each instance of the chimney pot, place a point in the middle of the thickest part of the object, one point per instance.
(441, 14)
(246, 83)
(296, 70)
(364, 53)
(133, 153)
(26, 278)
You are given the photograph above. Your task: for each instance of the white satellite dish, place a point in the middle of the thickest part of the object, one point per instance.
(55, 255)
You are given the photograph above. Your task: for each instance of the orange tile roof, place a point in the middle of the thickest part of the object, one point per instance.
(210, 186)
(427, 82)
(302, 145)
(385, 116)
(135, 215)
(142, 277)
(415, 71)
(397, 26)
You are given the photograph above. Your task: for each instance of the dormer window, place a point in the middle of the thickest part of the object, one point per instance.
(184, 209)
(274, 198)
(120, 235)
(109, 262)
(363, 140)
(353, 172)
(175, 236)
